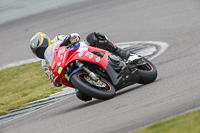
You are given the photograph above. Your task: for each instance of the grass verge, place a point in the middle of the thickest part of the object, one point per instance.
(187, 123)
(23, 84)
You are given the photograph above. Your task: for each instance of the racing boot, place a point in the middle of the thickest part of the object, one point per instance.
(122, 53)
(82, 96)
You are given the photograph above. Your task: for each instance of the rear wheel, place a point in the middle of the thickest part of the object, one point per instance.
(147, 72)
(100, 89)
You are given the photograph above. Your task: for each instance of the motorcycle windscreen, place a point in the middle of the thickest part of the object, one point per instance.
(49, 53)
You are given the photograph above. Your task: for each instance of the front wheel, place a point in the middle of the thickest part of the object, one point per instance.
(147, 72)
(100, 89)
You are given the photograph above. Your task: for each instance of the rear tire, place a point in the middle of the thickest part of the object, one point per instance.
(103, 93)
(147, 72)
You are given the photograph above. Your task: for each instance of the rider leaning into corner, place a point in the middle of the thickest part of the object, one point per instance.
(41, 41)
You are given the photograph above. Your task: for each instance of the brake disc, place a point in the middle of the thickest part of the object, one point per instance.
(97, 83)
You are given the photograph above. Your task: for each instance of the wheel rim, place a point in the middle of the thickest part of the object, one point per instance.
(99, 84)
(147, 67)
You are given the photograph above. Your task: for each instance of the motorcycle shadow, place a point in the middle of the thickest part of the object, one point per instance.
(131, 88)
(83, 105)
(97, 101)
(128, 89)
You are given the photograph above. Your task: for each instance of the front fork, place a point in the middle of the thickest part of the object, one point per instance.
(90, 73)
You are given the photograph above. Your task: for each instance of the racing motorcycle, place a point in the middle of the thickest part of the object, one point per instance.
(96, 72)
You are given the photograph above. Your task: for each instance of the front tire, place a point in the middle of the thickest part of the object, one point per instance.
(84, 84)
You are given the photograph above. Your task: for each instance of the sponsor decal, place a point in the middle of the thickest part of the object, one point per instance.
(81, 53)
(59, 70)
(33, 44)
(55, 78)
(89, 55)
(59, 63)
(53, 64)
(64, 57)
(80, 49)
(103, 41)
(97, 59)
(61, 57)
(63, 50)
(67, 77)
(59, 52)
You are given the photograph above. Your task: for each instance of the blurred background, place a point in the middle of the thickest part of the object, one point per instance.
(176, 90)
(15, 9)
(16, 33)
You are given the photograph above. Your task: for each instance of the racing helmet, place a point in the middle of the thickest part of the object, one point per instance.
(38, 44)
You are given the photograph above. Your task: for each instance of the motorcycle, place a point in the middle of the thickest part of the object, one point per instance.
(96, 72)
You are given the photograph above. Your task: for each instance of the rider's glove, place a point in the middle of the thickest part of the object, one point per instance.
(72, 39)
(124, 54)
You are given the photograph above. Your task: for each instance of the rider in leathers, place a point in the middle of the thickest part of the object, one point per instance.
(41, 41)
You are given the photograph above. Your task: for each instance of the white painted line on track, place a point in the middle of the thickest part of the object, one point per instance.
(18, 63)
(163, 48)
(162, 45)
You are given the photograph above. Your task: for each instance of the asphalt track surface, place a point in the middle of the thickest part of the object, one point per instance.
(175, 91)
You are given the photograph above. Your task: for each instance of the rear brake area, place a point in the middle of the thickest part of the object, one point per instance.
(135, 60)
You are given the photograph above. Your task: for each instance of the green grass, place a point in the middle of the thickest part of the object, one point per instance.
(23, 84)
(187, 123)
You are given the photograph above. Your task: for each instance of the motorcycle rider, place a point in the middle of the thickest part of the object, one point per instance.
(40, 41)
